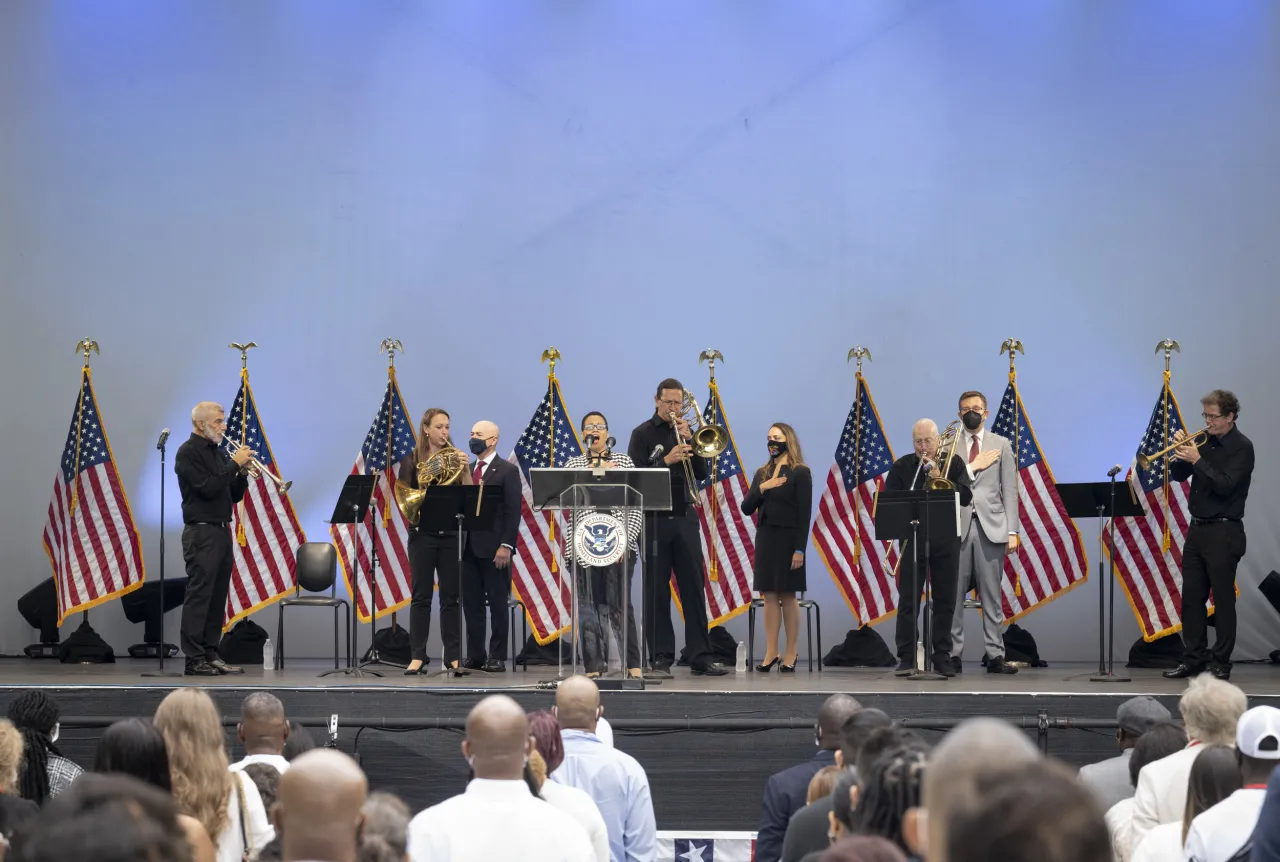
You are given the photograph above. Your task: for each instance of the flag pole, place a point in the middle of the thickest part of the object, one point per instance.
(389, 346)
(1013, 346)
(710, 355)
(551, 356)
(859, 353)
(86, 345)
(244, 387)
(1168, 345)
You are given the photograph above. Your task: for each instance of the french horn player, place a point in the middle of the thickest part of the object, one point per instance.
(433, 555)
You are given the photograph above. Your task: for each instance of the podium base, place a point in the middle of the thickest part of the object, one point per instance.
(1108, 677)
(924, 675)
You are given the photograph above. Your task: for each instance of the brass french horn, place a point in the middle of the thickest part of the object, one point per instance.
(445, 467)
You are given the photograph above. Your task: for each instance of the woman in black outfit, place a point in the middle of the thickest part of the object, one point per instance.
(782, 492)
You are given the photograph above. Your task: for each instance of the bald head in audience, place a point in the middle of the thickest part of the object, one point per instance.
(578, 704)
(498, 742)
(974, 748)
(832, 715)
(319, 813)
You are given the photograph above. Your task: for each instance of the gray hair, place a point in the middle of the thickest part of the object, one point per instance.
(1211, 709)
(205, 411)
(262, 706)
(386, 829)
(929, 422)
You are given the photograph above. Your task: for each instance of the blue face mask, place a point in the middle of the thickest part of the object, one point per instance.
(477, 446)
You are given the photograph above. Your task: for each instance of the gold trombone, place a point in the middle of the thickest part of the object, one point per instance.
(708, 441)
(1145, 461)
(256, 468)
(941, 482)
(445, 467)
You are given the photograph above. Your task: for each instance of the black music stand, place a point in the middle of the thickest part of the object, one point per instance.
(904, 515)
(352, 508)
(460, 508)
(1095, 500)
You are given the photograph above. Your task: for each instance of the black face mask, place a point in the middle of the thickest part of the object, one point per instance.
(777, 447)
(477, 446)
(972, 420)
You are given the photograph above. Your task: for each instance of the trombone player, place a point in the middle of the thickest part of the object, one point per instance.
(921, 470)
(1220, 467)
(662, 440)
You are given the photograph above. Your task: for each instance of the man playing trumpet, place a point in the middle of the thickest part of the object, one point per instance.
(211, 483)
(1220, 470)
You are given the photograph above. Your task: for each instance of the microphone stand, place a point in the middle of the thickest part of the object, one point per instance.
(164, 647)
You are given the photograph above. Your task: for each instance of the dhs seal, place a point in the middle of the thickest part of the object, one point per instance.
(599, 540)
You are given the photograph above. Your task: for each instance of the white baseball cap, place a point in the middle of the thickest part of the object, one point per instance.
(1258, 733)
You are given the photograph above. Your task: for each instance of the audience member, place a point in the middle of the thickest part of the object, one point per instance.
(45, 772)
(385, 837)
(1109, 779)
(889, 798)
(821, 783)
(974, 749)
(546, 759)
(263, 731)
(1210, 710)
(808, 829)
(1035, 811)
(1214, 776)
(613, 779)
(862, 848)
(299, 742)
(320, 811)
(136, 747)
(1160, 741)
(15, 812)
(497, 818)
(786, 792)
(267, 779)
(1220, 832)
(1266, 836)
(840, 819)
(105, 818)
(226, 803)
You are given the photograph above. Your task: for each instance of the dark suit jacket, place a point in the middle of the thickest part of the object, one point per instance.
(807, 831)
(904, 470)
(789, 505)
(501, 489)
(784, 795)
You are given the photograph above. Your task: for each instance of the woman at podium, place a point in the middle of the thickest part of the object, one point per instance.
(782, 492)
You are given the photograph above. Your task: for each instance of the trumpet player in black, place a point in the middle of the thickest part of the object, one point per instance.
(930, 467)
(600, 589)
(433, 555)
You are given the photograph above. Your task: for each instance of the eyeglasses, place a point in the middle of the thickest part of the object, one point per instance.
(676, 403)
(1209, 417)
(595, 426)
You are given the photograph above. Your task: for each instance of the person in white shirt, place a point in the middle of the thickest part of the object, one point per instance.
(1222, 831)
(498, 817)
(1158, 742)
(545, 730)
(263, 731)
(1214, 777)
(1210, 710)
(320, 814)
(613, 779)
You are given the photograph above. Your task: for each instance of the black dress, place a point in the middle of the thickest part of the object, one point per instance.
(783, 529)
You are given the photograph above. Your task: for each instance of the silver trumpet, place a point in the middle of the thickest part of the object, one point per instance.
(256, 468)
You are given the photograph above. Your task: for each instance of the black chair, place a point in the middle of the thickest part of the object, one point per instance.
(317, 571)
(812, 626)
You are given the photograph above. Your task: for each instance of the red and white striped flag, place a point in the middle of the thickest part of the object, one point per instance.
(539, 578)
(1050, 559)
(90, 536)
(390, 440)
(1148, 559)
(729, 569)
(844, 531)
(267, 534)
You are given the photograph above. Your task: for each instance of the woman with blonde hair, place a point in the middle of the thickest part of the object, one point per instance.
(226, 803)
(782, 492)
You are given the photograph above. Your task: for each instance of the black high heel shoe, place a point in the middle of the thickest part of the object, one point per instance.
(787, 668)
(422, 668)
(765, 668)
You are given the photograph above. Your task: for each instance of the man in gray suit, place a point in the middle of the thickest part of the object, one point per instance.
(988, 529)
(1109, 779)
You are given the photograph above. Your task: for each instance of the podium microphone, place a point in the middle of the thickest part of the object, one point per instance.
(656, 454)
(590, 440)
(1111, 474)
(164, 438)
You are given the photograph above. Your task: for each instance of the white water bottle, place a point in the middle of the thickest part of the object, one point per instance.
(741, 665)
(268, 655)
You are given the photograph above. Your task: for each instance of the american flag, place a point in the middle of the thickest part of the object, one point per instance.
(1050, 559)
(267, 533)
(844, 531)
(90, 536)
(390, 440)
(549, 440)
(728, 586)
(1149, 569)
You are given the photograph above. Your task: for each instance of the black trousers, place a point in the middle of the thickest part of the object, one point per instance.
(1209, 559)
(674, 546)
(940, 564)
(433, 555)
(206, 549)
(483, 582)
